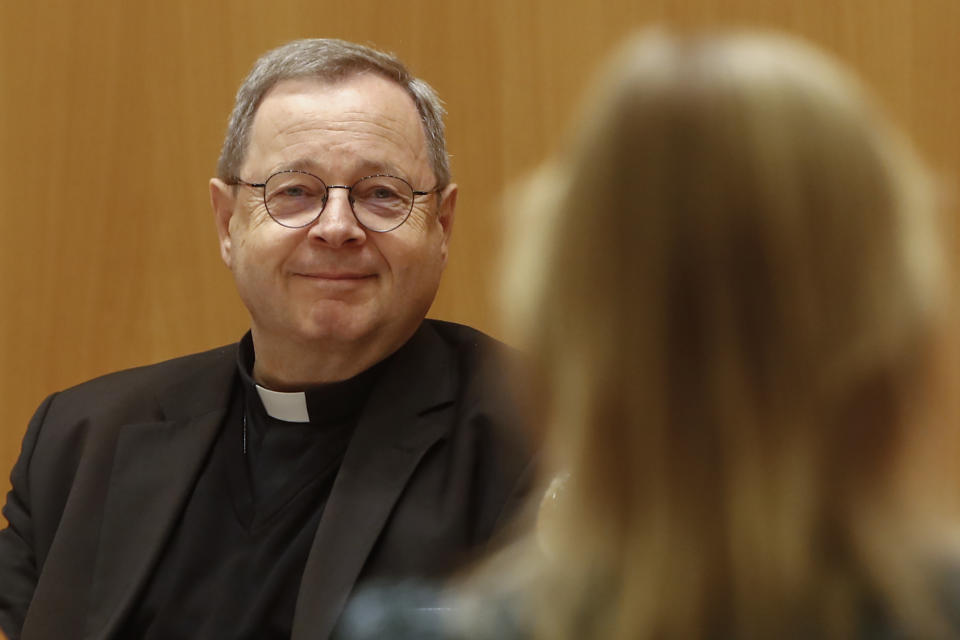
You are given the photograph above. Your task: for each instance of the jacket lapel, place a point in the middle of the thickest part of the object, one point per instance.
(395, 430)
(154, 469)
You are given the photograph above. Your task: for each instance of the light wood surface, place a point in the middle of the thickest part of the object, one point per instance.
(112, 114)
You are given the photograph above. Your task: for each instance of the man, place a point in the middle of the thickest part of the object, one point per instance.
(243, 492)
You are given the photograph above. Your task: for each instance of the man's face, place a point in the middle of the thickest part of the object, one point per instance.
(333, 282)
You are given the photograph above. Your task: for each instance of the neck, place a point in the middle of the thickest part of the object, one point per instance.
(287, 366)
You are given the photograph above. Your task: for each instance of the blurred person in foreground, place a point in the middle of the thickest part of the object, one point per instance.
(243, 492)
(731, 284)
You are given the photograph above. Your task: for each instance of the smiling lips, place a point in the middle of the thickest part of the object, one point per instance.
(337, 278)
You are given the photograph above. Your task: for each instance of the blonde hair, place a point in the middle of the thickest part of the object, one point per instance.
(734, 291)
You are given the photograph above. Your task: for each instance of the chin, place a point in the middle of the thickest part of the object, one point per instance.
(338, 322)
(342, 330)
(343, 322)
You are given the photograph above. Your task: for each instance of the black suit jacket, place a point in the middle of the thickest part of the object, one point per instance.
(107, 467)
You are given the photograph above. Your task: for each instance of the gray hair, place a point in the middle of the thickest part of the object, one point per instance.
(332, 60)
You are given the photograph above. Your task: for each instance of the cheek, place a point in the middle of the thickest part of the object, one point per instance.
(261, 243)
(413, 256)
(419, 222)
(255, 228)
(419, 276)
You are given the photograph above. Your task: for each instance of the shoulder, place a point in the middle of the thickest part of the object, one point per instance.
(150, 381)
(74, 433)
(464, 337)
(484, 364)
(491, 419)
(473, 347)
(489, 387)
(86, 418)
(157, 373)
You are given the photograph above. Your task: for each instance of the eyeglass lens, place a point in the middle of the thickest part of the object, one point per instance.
(295, 199)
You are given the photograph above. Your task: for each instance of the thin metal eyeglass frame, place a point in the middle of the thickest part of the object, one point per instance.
(263, 185)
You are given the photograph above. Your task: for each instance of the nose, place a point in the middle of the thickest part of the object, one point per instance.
(337, 226)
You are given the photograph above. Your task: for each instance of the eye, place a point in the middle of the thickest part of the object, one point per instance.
(382, 193)
(293, 186)
(293, 191)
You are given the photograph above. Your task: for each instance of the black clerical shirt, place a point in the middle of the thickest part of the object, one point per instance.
(233, 564)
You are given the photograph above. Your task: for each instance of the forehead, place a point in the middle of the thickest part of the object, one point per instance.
(361, 122)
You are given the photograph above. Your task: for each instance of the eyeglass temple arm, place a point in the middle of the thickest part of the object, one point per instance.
(237, 181)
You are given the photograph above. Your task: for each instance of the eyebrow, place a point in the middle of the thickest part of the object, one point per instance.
(367, 168)
(302, 164)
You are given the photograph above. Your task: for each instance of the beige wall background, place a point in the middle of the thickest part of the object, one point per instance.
(112, 114)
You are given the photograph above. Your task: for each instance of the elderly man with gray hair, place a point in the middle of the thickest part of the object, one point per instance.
(243, 492)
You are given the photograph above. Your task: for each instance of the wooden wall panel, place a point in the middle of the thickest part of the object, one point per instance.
(112, 113)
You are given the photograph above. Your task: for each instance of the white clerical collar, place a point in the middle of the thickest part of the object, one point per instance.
(286, 406)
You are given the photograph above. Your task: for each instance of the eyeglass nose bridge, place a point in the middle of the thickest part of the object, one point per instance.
(326, 195)
(326, 198)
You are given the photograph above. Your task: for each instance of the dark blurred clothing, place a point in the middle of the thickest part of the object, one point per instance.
(417, 610)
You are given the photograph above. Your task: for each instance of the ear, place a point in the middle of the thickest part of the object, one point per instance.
(445, 215)
(223, 200)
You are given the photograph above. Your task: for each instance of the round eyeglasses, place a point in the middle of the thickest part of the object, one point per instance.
(295, 199)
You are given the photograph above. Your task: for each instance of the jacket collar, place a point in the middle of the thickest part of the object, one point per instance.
(400, 422)
(154, 469)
